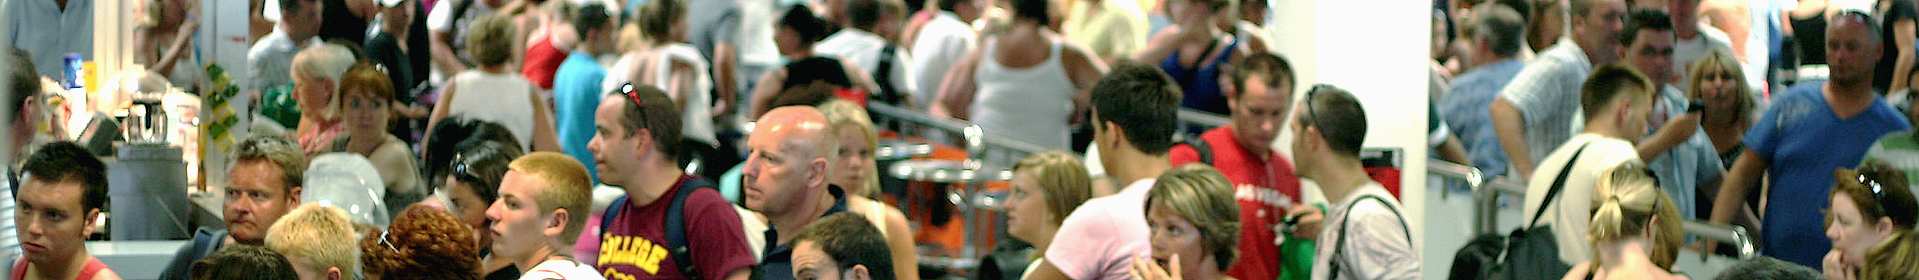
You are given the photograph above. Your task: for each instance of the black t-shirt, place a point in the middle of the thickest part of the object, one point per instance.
(384, 49)
(1809, 34)
(338, 22)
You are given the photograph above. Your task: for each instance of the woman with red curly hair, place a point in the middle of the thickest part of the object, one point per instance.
(423, 243)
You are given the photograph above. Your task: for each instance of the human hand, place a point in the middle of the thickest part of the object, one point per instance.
(1146, 269)
(1306, 220)
(1836, 269)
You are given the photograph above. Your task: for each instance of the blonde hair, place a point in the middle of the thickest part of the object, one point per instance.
(1628, 199)
(321, 236)
(1895, 258)
(1202, 196)
(567, 187)
(325, 61)
(489, 40)
(1064, 180)
(1720, 61)
(842, 114)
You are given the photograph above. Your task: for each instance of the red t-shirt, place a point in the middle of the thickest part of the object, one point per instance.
(542, 62)
(1264, 189)
(634, 246)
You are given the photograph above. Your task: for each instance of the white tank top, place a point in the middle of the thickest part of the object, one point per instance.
(696, 121)
(499, 98)
(1030, 104)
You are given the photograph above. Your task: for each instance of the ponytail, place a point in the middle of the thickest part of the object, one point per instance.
(1627, 198)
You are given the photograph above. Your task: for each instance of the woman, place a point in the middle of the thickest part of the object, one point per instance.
(1046, 187)
(1899, 19)
(471, 184)
(1635, 231)
(1868, 206)
(547, 38)
(316, 83)
(490, 92)
(424, 243)
(1194, 223)
(1897, 258)
(797, 31)
(664, 60)
(1013, 88)
(365, 95)
(857, 173)
(1716, 80)
(1194, 50)
(164, 41)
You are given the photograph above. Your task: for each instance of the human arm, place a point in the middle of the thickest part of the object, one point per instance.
(176, 48)
(1509, 125)
(1453, 151)
(444, 58)
(726, 59)
(1670, 135)
(1903, 32)
(955, 96)
(543, 133)
(440, 111)
(769, 86)
(1084, 70)
(899, 240)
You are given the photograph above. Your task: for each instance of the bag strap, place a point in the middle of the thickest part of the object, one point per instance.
(1339, 247)
(1558, 184)
(1201, 148)
(676, 226)
(884, 76)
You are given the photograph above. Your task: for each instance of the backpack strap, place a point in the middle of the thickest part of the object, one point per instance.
(1559, 183)
(1201, 148)
(1339, 247)
(676, 226)
(884, 76)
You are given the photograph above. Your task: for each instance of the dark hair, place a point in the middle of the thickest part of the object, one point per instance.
(426, 243)
(1581, 7)
(864, 14)
(1644, 20)
(812, 94)
(592, 16)
(1143, 101)
(1034, 10)
(1768, 268)
(851, 240)
(290, 6)
(1503, 27)
(810, 28)
(482, 165)
(458, 133)
(1272, 67)
(657, 17)
(1338, 116)
(23, 81)
(1879, 191)
(656, 114)
(1608, 82)
(945, 5)
(240, 262)
(66, 162)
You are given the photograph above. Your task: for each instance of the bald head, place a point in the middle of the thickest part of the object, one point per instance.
(800, 129)
(786, 175)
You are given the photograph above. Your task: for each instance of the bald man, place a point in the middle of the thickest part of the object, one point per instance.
(785, 178)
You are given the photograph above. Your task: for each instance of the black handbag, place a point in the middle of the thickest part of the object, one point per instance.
(1531, 252)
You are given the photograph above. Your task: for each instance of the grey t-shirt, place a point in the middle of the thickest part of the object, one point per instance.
(711, 22)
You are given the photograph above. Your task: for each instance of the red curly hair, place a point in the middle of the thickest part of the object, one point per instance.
(423, 243)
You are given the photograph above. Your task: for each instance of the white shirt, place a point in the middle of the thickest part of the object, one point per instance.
(696, 122)
(270, 60)
(941, 43)
(1686, 51)
(863, 50)
(561, 269)
(47, 33)
(1546, 94)
(1381, 247)
(1571, 213)
(489, 97)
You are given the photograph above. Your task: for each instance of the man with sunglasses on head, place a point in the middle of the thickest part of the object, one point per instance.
(1808, 131)
(1364, 236)
(1616, 101)
(664, 210)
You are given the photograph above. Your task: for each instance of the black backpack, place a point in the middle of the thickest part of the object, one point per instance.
(675, 223)
(1339, 247)
(1531, 252)
(1201, 148)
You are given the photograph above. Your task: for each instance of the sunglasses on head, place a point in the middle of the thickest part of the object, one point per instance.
(632, 95)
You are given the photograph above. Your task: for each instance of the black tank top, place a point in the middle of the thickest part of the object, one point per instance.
(818, 68)
(1809, 35)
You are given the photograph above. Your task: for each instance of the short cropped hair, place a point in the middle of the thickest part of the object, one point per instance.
(1339, 118)
(1202, 196)
(1644, 20)
(1272, 67)
(593, 16)
(490, 40)
(1581, 7)
(1142, 100)
(290, 6)
(656, 114)
(278, 152)
(423, 243)
(810, 27)
(1033, 10)
(567, 187)
(864, 14)
(241, 262)
(851, 240)
(1609, 82)
(321, 235)
(325, 61)
(1503, 28)
(66, 162)
(22, 81)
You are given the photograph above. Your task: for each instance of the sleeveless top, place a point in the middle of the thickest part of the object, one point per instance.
(1809, 35)
(817, 68)
(696, 122)
(1201, 86)
(94, 267)
(542, 62)
(341, 23)
(499, 98)
(1031, 104)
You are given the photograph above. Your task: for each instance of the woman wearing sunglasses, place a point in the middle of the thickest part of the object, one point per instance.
(1869, 206)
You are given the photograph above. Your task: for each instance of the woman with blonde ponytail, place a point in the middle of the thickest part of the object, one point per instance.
(1869, 220)
(1635, 232)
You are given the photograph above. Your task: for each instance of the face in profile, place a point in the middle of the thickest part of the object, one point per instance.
(1027, 217)
(615, 150)
(255, 198)
(1851, 233)
(518, 226)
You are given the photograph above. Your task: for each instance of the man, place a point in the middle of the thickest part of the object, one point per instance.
(544, 201)
(264, 183)
(20, 120)
(1680, 154)
(1616, 101)
(1808, 131)
(864, 43)
(1134, 112)
(1260, 98)
(447, 23)
(786, 179)
(634, 147)
(319, 240)
(49, 30)
(1535, 112)
(942, 42)
(271, 59)
(64, 189)
(842, 246)
(713, 27)
(1499, 35)
(1330, 128)
(1693, 39)
(576, 87)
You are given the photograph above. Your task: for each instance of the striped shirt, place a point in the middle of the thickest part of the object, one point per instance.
(1901, 151)
(1546, 93)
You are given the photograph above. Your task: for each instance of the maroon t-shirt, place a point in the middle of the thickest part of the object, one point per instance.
(634, 245)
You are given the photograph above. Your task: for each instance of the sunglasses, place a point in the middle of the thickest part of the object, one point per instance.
(632, 94)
